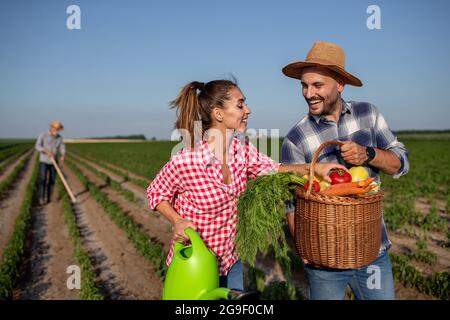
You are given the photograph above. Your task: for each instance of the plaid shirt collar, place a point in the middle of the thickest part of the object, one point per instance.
(346, 108)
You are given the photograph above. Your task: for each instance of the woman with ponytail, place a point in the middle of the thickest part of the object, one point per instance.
(200, 185)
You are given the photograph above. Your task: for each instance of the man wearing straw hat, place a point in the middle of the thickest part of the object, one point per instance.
(368, 142)
(49, 144)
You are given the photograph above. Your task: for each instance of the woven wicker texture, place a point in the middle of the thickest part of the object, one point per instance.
(337, 232)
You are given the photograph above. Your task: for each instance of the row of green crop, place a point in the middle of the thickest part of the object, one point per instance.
(13, 150)
(9, 180)
(142, 158)
(107, 179)
(427, 179)
(151, 251)
(88, 290)
(14, 252)
(11, 159)
(438, 285)
(121, 173)
(6, 154)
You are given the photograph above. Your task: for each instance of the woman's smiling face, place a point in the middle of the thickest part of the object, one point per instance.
(235, 113)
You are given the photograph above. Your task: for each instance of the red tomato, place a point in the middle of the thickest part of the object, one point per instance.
(340, 176)
(315, 188)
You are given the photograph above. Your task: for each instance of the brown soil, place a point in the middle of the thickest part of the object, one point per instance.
(404, 293)
(50, 253)
(122, 273)
(12, 201)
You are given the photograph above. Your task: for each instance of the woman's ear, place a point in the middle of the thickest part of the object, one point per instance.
(218, 114)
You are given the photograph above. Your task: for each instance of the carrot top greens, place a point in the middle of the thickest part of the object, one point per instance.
(261, 217)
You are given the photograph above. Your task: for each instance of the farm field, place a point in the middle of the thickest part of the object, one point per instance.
(120, 244)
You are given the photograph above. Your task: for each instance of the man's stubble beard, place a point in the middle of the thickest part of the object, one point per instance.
(330, 107)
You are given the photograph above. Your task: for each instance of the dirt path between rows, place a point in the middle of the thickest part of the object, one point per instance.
(148, 221)
(122, 273)
(12, 201)
(50, 252)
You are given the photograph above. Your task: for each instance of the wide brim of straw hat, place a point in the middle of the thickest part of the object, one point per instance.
(57, 125)
(295, 69)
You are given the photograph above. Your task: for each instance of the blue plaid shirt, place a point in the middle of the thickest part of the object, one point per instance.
(360, 122)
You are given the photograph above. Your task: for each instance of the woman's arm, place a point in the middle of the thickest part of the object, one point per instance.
(259, 164)
(178, 223)
(300, 169)
(160, 194)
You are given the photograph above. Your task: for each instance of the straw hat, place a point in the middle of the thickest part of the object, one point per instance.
(324, 54)
(57, 125)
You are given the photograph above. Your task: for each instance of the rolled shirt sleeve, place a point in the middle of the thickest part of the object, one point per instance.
(164, 186)
(386, 140)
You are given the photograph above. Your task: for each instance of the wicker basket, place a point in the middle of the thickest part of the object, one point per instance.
(337, 232)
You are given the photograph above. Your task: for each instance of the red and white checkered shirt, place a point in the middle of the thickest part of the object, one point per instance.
(192, 182)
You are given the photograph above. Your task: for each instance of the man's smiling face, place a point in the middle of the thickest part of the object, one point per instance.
(321, 89)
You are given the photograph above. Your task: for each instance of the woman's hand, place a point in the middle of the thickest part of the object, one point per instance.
(323, 168)
(178, 230)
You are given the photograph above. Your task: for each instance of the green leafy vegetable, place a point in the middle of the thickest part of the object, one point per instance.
(261, 216)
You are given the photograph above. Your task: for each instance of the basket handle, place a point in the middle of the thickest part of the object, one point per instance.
(314, 161)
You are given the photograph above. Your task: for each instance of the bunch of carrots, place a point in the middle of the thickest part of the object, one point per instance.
(350, 188)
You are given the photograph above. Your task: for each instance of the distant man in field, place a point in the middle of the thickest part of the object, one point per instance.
(49, 145)
(368, 142)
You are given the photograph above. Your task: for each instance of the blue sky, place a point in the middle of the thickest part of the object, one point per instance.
(117, 74)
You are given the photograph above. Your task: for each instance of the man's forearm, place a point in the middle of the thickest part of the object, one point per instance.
(387, 161)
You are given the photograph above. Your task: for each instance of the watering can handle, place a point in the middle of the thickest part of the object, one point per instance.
(196, 241)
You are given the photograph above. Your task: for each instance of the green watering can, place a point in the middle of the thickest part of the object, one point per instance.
(193, 273)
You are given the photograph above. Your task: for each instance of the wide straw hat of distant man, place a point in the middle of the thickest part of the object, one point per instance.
(367, 141)
(57, 125)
